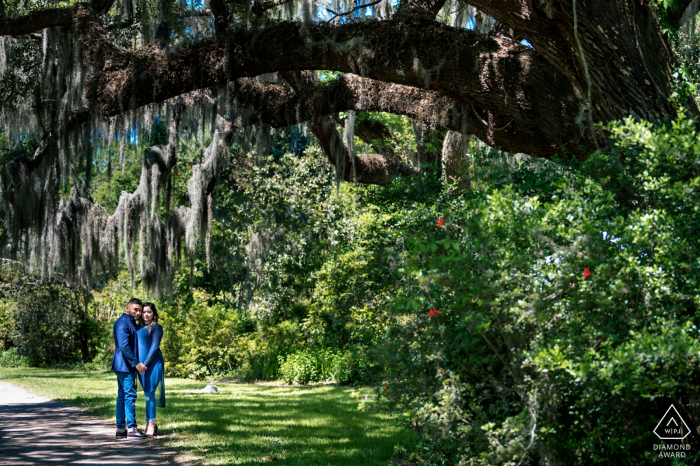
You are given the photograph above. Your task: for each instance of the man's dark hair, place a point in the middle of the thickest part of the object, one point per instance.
(135, 301)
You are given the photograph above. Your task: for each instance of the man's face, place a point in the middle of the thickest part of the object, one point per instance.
(134, 310)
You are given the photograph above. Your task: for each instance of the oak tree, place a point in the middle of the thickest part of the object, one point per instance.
(530, 76)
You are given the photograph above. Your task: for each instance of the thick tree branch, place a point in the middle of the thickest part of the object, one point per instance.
(276, 106)
(513, 82)
(674, 17)
(36, 21)
(640, 91)
(368, 168)
(221, 16)
(42, 19)
(505, 86)
(376, 134)
(428, 8)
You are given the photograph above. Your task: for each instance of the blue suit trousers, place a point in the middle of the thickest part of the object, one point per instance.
(126, 400)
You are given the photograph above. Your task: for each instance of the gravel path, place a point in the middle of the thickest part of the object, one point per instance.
(39, 431)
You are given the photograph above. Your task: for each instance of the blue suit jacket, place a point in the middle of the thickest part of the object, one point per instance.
(124, 332)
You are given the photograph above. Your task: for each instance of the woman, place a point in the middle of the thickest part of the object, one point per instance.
(153, 380)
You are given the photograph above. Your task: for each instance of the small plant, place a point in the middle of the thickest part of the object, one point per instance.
(318, 365)
(299, 368)
(11, 358)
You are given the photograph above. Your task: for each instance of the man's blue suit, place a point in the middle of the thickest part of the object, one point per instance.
(124, 332)
(124, 364)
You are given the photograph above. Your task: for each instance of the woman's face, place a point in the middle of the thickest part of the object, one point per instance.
(147, 315)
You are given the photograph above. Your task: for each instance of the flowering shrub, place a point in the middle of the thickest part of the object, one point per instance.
(533, 361)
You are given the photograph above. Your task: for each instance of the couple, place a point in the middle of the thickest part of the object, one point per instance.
(137, 356)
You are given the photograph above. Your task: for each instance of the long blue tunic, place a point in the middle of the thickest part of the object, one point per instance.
(153, 380)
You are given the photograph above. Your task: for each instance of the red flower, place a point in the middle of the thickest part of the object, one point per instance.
(586, 273)
(433, 313)
(441, 222)
(386, 385)
(442, 370)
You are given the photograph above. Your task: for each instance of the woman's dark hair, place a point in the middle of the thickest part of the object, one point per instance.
(153, 308)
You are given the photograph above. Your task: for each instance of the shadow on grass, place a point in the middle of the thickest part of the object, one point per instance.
(242, 424)
(295, 429)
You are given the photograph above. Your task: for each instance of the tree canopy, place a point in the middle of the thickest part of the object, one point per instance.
(80, 77)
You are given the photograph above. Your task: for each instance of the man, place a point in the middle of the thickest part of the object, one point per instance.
(125, 365)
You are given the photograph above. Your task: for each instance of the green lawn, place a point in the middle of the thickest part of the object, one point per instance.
(242, 424)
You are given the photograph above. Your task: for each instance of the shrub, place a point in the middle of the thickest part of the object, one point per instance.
(321, 365)
(53, 321)
(556, 325)
(300, 368)
(8, 325)
(10, 358)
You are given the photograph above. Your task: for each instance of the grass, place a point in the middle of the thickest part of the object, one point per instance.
(242, 424)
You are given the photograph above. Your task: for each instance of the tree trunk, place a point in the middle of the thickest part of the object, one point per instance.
(612, 52)
(454, 159)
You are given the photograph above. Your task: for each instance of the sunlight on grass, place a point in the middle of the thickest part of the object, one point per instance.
(242, 423)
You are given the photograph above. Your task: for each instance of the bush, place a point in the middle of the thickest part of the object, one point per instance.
(8, 325)
(53, 322)
(10, 358)
(556, 324)
(320, 365)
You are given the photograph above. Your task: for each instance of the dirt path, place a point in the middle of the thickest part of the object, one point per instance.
(40, 431)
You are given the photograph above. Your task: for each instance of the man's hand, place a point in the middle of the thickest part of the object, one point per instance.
(141, 368)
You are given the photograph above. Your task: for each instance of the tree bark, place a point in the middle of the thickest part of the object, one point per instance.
(619, 41)
(365, 168)
(277, 107)
(454, 159)
(42, 19)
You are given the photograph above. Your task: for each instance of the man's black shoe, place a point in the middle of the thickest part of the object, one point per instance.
(120, 434)
(135, 434)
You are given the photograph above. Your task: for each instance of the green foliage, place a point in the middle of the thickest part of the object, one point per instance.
(320, 365)
(671, 5)
(7, 324)
(48, 322)
(567, 314)
(686, 73)
(12, 359)
(206, 339)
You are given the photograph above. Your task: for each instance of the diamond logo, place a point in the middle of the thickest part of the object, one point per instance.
(672, 426)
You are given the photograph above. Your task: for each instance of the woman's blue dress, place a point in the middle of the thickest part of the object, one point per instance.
(153, 380)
